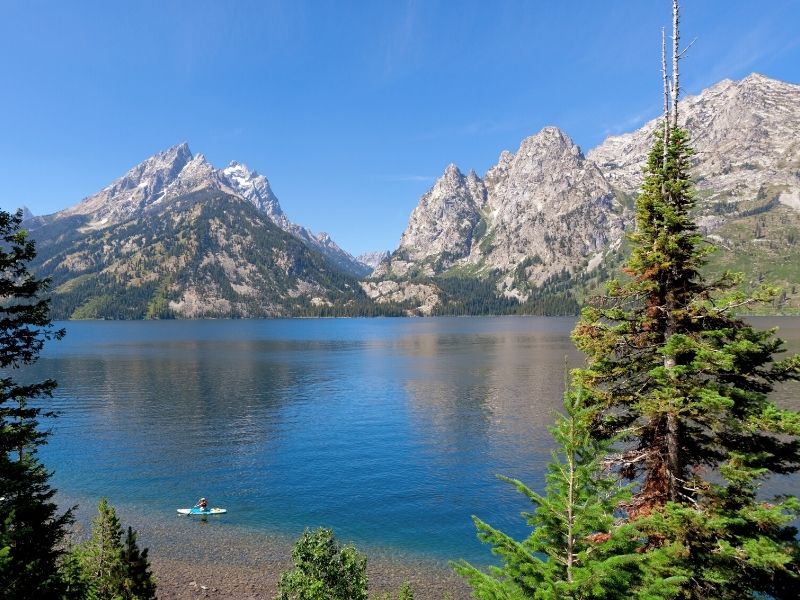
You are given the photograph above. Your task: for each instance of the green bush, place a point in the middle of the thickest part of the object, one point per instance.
(324, 570)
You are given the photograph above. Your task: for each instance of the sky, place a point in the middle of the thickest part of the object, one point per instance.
(351, 109)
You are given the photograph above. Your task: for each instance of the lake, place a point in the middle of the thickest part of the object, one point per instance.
(390, 431)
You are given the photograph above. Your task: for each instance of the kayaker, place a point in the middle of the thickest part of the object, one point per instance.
(202, 504)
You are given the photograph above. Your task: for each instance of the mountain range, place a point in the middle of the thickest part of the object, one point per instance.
(176, 236)
(548, 218)
(544, 227)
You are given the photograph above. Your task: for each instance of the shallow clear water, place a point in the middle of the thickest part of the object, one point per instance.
(390, 431)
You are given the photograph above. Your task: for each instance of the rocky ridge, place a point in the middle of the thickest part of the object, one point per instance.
(547, 212)
(206, 253)
(176, 172)
(540, 212)
(177, 237)
(744, 134)
(373, 259)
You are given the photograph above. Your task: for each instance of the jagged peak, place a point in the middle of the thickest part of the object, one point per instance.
(752, 83)
(757, 77)
(237, 167)
(506, 156)
(548, 136)
(178, 151)
(550, 141)
(452, 171)
(759, 80)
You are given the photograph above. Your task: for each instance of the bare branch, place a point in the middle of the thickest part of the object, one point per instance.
(685, 50)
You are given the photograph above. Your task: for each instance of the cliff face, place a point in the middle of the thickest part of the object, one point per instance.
(539, 212)
(744, 134)
(547, 212)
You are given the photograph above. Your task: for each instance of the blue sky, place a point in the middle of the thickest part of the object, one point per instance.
(351, 109)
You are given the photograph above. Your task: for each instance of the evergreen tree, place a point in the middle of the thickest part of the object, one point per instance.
(683, 383)
(77, 585)
(102, 554)
(324, 570)
(31, 528)
(107, 568)
(575, 550)
(138, 581)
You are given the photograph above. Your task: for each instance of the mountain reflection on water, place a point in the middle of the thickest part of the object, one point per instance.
(391, 431)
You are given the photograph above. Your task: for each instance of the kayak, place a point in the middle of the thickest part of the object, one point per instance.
(199, 511)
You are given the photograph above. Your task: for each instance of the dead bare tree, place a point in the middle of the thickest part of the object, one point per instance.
(676, 56)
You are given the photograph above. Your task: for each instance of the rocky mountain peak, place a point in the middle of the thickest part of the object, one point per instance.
(451, 178)
(549, 144)
(137, 189)
(547, 168)
(175, 172)
(444, 220)
(240, 169)
(538, 212)
(452, 172)
(743, 132)
(255, 188)
(178, 150)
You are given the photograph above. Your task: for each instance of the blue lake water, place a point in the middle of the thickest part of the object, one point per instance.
(390, 431)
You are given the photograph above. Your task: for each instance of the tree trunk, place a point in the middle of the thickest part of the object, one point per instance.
(666, 92)
(675, 58)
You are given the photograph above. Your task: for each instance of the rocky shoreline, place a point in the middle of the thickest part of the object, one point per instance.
(196, 558)
(182, 580)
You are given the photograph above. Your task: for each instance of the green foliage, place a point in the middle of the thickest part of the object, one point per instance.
(324, 570)
(478, 296)
(101, 555)
(212, 243)
(31, 528)
(138, 581)
(772, 258)
(404, 593)
(576, 549)
(108, 567)
(683, 384)
(77, 584)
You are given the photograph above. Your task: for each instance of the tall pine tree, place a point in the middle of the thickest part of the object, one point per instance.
(31, 527)
(684, 383)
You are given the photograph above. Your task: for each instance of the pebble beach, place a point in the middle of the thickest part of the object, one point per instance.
(206, 557)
